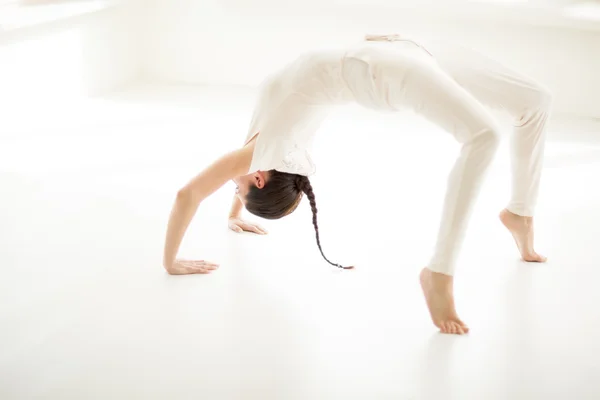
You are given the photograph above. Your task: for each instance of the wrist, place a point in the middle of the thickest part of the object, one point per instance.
(168, 264)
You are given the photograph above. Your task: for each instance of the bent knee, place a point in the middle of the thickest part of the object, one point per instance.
(542, 98)
(533, 104)
(491, 138)
(486, 140)
(482, 132)
(538, 99)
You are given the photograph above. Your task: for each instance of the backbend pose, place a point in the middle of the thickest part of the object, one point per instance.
(445, 84)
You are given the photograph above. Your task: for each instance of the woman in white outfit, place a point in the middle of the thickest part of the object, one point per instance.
(445, 84)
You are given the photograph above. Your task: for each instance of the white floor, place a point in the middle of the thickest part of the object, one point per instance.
(87, 312)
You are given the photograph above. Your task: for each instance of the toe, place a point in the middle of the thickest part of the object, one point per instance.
(443, 327)
(463, 326)
(457, 329)
(534, 257)
(451, 328)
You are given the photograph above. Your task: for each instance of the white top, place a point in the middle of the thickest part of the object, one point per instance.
(293, 103)
(291, 106)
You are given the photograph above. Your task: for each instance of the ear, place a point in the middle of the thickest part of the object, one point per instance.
(259, 179)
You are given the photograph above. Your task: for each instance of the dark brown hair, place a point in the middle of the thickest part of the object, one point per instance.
(280, 196)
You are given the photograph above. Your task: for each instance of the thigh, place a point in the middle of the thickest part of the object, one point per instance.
(431, 92)
(491, 82)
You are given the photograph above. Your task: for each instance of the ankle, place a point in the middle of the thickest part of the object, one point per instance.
(439, 280)
(517, 216)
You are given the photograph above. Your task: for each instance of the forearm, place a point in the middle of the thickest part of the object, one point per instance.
(236, 207)
(181, 215)
(189, 198)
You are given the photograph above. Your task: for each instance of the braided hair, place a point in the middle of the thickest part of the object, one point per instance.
(280, 196)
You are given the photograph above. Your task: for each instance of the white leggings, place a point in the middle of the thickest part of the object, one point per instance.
(447, 85)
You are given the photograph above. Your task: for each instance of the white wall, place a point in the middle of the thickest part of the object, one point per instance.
(68, 59)
(238, 42)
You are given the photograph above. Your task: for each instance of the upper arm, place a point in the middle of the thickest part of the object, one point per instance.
(227, 167)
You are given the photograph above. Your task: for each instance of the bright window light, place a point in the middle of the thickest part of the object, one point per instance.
(589, 11)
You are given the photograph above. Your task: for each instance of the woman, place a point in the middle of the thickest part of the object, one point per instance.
(445, 84)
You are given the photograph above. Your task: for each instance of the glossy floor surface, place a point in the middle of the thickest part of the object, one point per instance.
(87, 312)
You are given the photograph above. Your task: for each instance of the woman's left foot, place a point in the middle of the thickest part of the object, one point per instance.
(438, 291)
(522, 230)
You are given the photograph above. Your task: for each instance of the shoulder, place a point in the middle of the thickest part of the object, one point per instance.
(228, 166)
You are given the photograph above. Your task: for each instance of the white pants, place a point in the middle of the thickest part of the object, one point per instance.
(447, 85)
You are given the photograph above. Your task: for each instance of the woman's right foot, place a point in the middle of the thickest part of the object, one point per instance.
(438, 291)
(521, 229)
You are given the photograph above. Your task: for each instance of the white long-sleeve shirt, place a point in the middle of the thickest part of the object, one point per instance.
(293, 102)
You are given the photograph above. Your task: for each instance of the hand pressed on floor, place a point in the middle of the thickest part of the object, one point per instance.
(187, 267)
(239, 225)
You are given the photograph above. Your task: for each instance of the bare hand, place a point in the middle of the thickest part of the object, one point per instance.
(187, 267)
(238, 225)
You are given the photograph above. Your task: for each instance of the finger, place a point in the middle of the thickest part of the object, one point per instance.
(196, 270)
(198, 263)
(209, 264)
(255, 229)
(194, 264)
(260, 228)
(244, 226)
(202, 269)
(236, 228)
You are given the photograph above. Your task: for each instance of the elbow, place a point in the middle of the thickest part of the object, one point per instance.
(184, 194)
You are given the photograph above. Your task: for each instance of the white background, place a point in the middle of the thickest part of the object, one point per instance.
(108, 108)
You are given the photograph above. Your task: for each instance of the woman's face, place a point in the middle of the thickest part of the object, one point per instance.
(243, 184)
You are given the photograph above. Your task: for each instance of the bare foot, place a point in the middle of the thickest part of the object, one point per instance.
(522, 230)
(437, 289)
